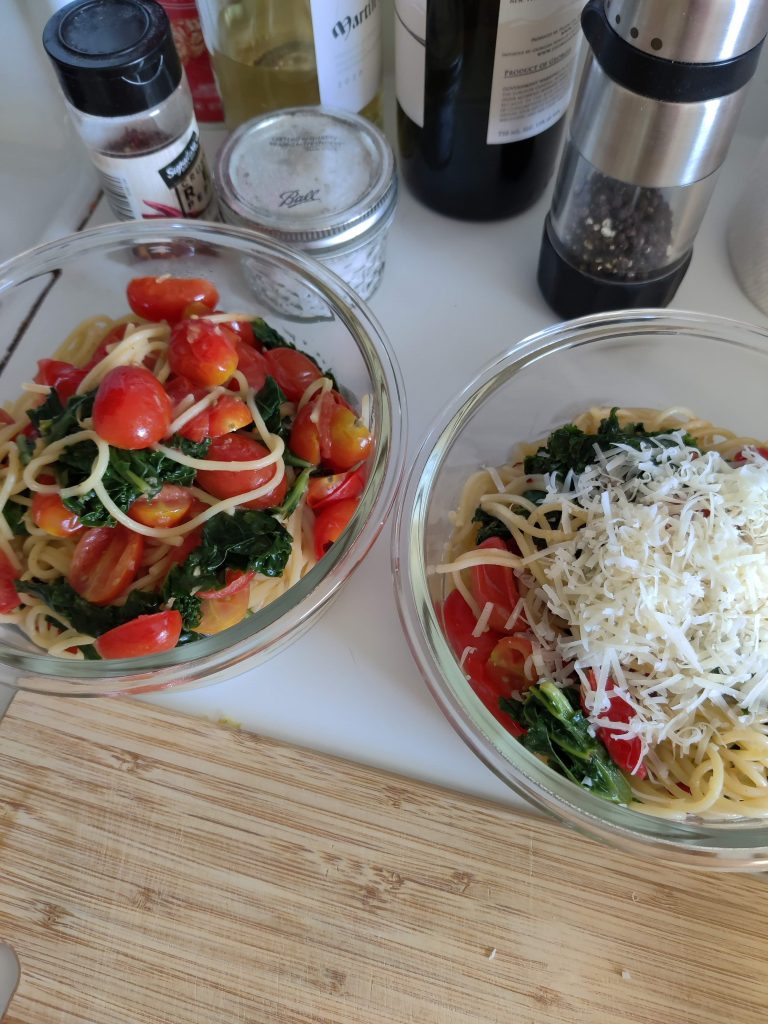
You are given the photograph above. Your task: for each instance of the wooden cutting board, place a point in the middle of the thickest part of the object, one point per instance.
(159, 869)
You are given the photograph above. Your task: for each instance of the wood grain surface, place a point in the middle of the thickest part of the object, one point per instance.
(160, 869)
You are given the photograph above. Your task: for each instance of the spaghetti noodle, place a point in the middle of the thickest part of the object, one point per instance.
(217, 507)
(638, 553)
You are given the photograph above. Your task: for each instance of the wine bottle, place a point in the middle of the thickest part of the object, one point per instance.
(482, 90)
(271, 54)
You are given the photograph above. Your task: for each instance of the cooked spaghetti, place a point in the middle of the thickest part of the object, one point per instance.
(167, 473)
(617, 579)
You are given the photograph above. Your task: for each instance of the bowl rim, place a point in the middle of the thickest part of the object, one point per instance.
(740, 844)
(224, 654)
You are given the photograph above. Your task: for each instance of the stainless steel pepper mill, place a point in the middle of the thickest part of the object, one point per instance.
(653, 117)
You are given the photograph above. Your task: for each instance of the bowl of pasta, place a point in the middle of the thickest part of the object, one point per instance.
(581, 564)
(187, 478)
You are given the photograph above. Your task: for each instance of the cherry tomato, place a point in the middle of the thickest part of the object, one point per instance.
(131, 409)
(105, 562)
(459, 622)
(506, 663)
(63, 377)
(197, 309)
(326, 431)
(497, 584)
(222, 483)
(166, 298)
(9, 598)
(168, 508)
(50, 514)
(146, 634)
(252, 364)
(244, 330)
(323, 490)
(236, 580)
(626, 753)
(225, 607)
(111, 338)
(292, 370)
(351, 441)
(202, 352)
(304, 440)
(331, 522)
(228, 414)
(739, 456)
(180, 390)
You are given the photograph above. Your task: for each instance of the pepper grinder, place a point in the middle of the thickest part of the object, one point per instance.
(655, 111)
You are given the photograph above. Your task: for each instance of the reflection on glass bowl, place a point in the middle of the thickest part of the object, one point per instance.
(646, 358)
(47, 291)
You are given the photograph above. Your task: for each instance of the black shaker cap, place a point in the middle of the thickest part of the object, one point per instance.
(673, 81)
(113, 57)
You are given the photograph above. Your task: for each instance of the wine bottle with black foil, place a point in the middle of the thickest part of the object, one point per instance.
(482, 90)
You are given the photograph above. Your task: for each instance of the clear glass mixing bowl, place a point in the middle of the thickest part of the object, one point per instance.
(47, 291)
(653, 358)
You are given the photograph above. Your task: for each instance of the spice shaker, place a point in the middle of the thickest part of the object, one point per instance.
(128, 97)
(319, 179)
(656, 107)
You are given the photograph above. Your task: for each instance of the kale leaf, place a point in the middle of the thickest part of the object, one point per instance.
(570, 448)
(85, 617)
(294, 495)
(129, 475)
(557, 731)
(55, 420)
(489, 527)
(249, 540)
(268, 401)
(14, 516)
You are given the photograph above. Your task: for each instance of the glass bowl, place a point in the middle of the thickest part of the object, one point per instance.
(47, 291)
(652, 358)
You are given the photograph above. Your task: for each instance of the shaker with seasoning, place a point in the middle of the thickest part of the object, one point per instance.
(128, 97)
(653, 118)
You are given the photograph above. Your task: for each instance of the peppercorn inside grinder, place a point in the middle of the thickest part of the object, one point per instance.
(656, 107)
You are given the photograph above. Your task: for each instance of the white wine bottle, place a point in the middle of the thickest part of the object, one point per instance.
(272, 54)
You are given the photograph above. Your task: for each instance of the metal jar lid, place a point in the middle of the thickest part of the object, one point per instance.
(316, 178)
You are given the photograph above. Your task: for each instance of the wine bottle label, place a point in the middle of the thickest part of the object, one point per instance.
(533, 69)
(171, 182)
(410, 57)
(347, 51)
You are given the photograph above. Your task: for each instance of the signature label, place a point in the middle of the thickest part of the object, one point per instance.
(295, 198)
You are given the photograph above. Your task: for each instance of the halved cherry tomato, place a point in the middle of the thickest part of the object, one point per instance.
(292, 370)
(351, 441)
(244, 331)
(626, 753)
(180, 390)
(222, 483)
(131, 409)
(739, 456)
(497, 584)
(111, 338)
(9, 598)
(506, 663)
(146, 634)
(105, 562)
(331, 522)
(225, 607)
(323, 490)
(63, 377)
(50, 514)
(167, 508)
(166, 298)
(228, 414)
(252, 364)
(326, 431)
(202, 352)
(5, 418)
(196, 309)
(459, 622)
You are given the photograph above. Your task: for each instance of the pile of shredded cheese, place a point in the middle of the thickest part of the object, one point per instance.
(664, 587)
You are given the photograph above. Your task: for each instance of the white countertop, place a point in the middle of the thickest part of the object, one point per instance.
(453, 296)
